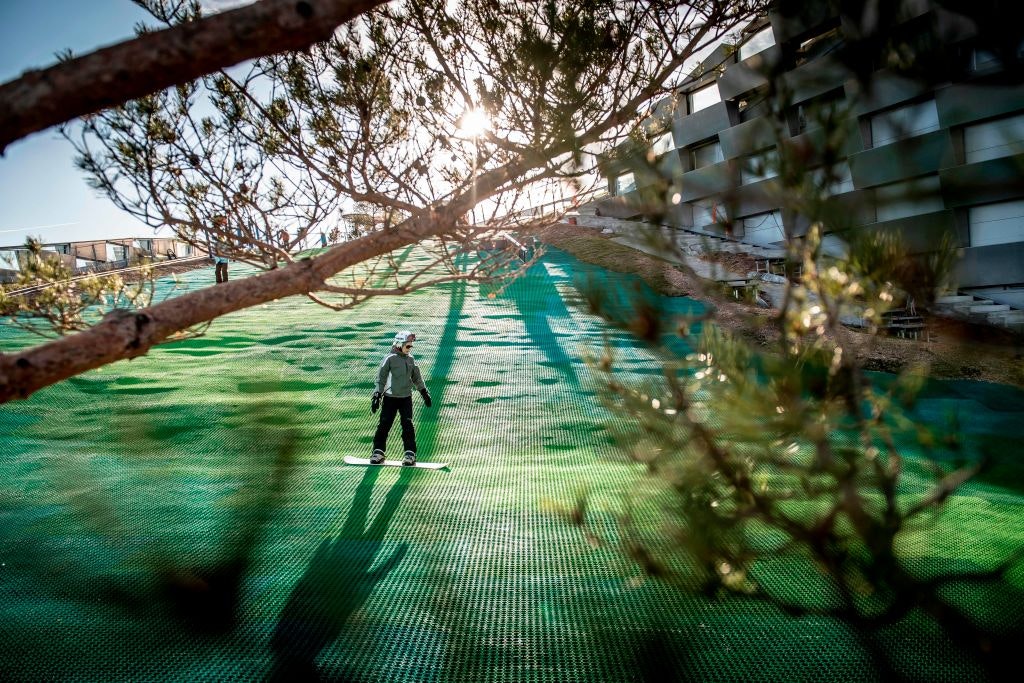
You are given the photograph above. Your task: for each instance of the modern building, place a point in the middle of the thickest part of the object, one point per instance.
(923, 157)
(97, 255)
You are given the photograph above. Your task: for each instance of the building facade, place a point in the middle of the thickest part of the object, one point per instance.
(924, 157)
(97, 255)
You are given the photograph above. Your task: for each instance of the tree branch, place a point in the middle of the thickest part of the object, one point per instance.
(128, 334)
(154, 61)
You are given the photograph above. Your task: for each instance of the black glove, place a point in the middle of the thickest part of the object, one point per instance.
(375, 402)
(426, 396)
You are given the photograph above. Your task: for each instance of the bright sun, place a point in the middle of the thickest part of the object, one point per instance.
(474, 122)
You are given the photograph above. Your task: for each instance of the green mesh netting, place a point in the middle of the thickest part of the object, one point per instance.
(161, 472)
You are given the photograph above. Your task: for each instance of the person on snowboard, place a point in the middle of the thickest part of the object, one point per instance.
(396, 378)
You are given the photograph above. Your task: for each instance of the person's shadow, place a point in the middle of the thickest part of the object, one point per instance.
(337, 582)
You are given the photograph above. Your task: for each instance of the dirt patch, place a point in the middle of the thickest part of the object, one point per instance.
(954, 349)
(737, 263)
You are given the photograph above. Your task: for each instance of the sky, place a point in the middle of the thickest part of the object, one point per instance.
(42, 194)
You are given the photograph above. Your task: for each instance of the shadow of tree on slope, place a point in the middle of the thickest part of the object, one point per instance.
(535, 295)
(337, 582)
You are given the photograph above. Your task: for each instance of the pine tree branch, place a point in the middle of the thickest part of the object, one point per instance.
(154, 61)
(128, 334)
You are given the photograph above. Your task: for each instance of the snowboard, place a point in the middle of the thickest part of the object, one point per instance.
(351, 460)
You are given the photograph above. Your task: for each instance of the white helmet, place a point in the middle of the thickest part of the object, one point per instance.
(404, 337)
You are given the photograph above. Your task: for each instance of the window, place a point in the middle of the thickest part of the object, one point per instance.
(911, 198)
(986, 60)
(819, 45)
(759, 42)
(9, 260)
(764, 228)
(760, 167)
(835, 246)
(842, 180)
(704, 98)
(625, 183)
(753, 108)
(708, 212)
(983, 59)
(904, 122)
(705, 155)
(810, 114)
(662, 144)
(994, 139)
(118, 252)
(1000, 223)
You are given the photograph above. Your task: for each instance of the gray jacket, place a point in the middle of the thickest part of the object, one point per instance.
(398, 375)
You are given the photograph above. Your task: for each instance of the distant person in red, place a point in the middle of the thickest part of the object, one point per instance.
(396, 378)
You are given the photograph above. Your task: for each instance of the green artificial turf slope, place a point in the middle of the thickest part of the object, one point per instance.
(167, 471)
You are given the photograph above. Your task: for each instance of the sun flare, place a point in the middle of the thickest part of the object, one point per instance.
(474, 122)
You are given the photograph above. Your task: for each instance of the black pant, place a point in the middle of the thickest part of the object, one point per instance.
(221, 270)
(389, 407)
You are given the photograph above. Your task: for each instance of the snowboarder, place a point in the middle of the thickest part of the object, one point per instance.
(396, 378)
